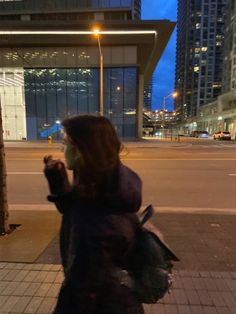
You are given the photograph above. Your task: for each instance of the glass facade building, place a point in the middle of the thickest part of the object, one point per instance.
(53, 83)
(74, 9)
(64, 4)
(53, 94)
(46, 77)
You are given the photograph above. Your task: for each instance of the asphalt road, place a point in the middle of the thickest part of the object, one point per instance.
(201, 174)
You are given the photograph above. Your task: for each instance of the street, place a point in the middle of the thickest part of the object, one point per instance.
(198, 174)
(187, 182)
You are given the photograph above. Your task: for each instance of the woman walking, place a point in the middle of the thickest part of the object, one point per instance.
(98, 219)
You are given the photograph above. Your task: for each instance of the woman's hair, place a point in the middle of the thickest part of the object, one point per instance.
(99, 145)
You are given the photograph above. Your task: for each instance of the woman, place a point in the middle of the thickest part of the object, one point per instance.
(98, 219)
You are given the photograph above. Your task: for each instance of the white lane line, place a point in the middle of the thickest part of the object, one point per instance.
(195, 210)
(32, 207)
(232, 174)
(180, 159)
(143, 159)
(23, 173)
(158, 209)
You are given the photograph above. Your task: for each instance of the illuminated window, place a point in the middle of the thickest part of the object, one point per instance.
(216, 85)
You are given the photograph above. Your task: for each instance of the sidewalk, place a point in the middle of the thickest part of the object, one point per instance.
(205, 279)
(144, 142)
(32, 288)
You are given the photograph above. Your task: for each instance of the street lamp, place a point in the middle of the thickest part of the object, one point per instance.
(97, 33)
(174, 95)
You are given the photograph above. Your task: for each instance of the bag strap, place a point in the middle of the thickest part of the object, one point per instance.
(146, 214)
(144, 217)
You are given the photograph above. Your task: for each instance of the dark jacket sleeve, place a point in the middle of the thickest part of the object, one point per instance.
(62, 201)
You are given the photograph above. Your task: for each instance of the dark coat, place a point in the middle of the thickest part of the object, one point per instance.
(95, 239)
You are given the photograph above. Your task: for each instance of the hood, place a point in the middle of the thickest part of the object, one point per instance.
(127, 198)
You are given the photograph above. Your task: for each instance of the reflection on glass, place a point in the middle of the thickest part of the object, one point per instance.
(53, 94)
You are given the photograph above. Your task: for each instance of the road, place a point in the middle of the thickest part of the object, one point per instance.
(198, 174)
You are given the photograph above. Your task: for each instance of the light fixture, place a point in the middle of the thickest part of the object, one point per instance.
(96, 32)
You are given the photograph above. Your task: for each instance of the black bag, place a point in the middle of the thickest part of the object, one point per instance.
(150, 263)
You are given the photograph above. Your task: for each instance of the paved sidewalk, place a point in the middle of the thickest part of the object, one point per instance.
(144, 142)
(33, 288)
(205, 278)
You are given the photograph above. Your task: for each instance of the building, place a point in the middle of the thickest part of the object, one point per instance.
(160, 123)
(199, 56)
(220, 115)
(229, 73)
(148, 88)
(50, 63)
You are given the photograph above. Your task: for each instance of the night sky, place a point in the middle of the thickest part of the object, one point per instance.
(164, 74)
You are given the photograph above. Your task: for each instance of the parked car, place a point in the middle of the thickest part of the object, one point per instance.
(203, 134)
(200, 134)
(222, 135)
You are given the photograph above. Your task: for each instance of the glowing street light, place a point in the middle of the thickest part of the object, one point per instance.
(97, 34)
(174, 95)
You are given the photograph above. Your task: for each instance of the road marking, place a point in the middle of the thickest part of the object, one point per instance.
(194, 210)
(157, 209)
(149, 159)
(232, 174)
(23, 173)
(32, 207)
(181, 159)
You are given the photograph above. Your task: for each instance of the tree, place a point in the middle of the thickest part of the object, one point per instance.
(4, 214)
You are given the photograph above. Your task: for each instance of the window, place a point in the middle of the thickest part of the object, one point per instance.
(52, 94)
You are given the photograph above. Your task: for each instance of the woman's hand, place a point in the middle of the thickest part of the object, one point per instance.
(56, 174)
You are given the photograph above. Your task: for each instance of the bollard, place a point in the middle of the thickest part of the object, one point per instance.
(49, 140)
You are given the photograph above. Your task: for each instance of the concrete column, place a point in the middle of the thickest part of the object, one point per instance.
(139, 112)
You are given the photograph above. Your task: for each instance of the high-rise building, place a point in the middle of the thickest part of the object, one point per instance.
(199, 56)
(50, 63)
(148, 88)
(229, 72)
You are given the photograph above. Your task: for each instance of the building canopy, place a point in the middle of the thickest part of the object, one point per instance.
(150, 37)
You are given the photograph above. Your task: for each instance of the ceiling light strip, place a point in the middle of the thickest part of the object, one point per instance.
(120, 32)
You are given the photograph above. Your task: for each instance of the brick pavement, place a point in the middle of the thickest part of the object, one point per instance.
(205, 279)
(33, 288)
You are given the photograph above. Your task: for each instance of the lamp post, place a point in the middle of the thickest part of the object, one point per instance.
(174, 95)
(96, 32)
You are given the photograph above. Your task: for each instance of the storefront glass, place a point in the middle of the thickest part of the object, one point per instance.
(12, 102)
(56, 93)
